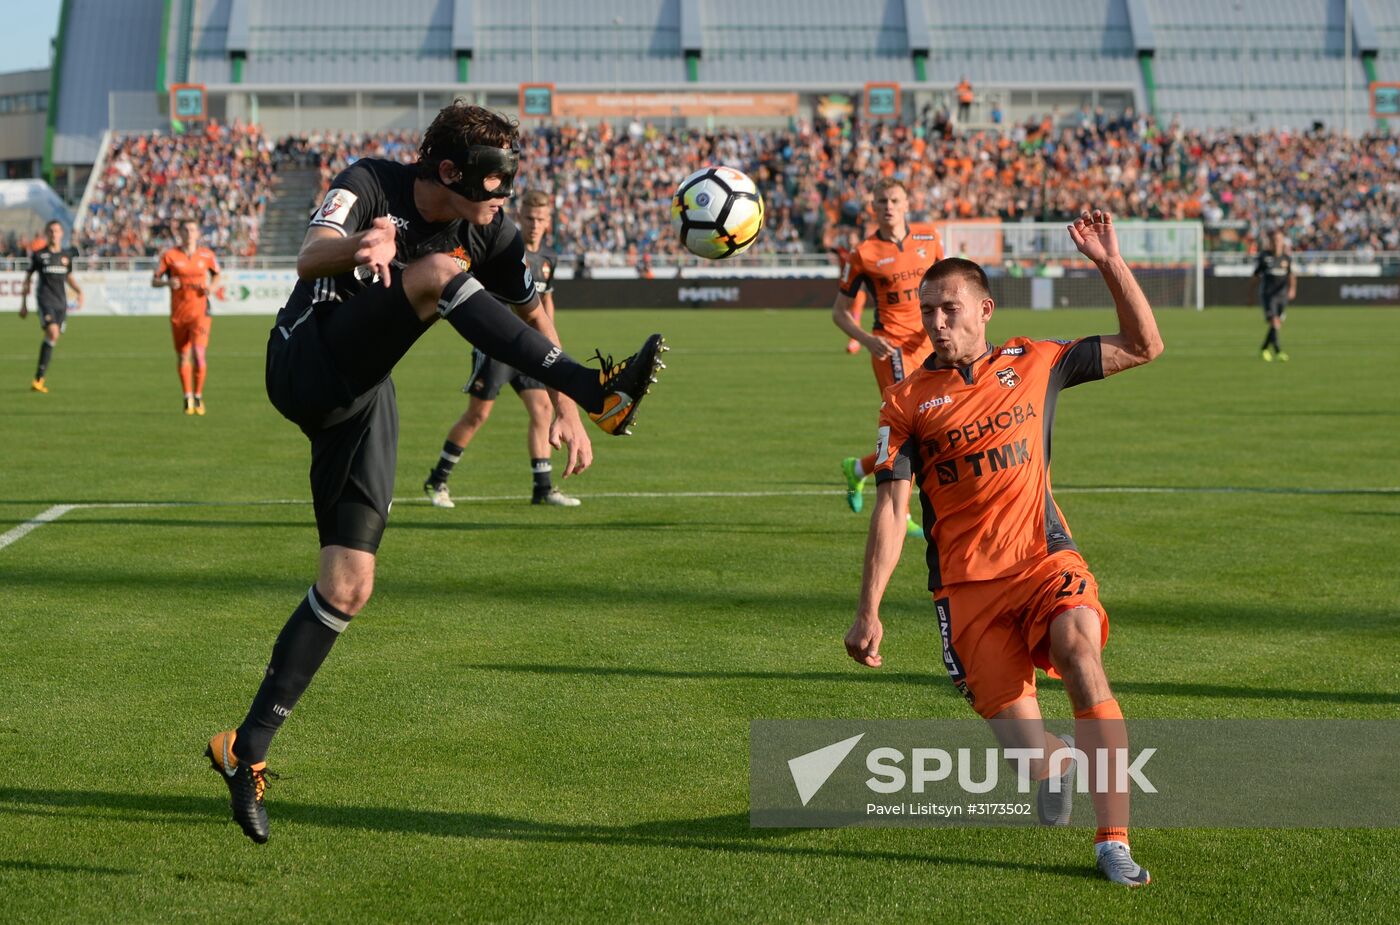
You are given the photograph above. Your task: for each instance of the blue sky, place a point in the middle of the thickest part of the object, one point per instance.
(24, 41)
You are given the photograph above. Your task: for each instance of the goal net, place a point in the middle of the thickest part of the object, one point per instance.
(1035, 264)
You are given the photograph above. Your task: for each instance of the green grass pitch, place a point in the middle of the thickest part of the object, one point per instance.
(543, 713)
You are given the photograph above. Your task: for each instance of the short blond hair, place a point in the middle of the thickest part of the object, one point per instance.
(534, 198)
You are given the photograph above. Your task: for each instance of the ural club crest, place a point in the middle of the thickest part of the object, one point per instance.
(1008, 378)
(923, 254)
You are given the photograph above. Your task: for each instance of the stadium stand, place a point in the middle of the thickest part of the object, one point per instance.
(1235, 64)
(612, 185)
(221, 176)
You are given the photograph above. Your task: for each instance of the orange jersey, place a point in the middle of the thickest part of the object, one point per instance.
(192, 270)
(977, 440)
(892, 273)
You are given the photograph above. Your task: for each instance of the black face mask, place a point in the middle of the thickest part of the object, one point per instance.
(478, 162)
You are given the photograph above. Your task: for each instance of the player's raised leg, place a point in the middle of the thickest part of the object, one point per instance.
(611, 396)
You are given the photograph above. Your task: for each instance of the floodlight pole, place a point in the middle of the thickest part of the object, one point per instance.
(1346, 57)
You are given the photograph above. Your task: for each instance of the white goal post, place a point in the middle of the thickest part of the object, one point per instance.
(1035, 264)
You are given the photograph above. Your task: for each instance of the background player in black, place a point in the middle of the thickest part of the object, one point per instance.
(488, 376)
(392, 249)
(54, 264)
(1275, 269)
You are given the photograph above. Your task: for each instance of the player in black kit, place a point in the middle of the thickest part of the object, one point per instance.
(54, 264)
(392, 249)
(488, 376)
(1275, 269)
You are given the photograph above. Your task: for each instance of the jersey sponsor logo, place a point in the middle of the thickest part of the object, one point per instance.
(991, 424)
(935, 403)
(997, 458)
(1008, 377)
(335, 208)
(882, 446)
(924, 237)
(1012, 351)
(884, 260)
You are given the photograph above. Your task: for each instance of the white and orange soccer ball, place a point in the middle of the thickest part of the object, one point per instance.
(717, 212)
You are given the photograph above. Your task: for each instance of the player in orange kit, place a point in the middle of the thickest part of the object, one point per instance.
(1010, 589)
(889, 264)
(190, 272)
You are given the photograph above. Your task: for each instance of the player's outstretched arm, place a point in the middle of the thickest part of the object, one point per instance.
(882, 548)
(1137, 341)
(843, 314)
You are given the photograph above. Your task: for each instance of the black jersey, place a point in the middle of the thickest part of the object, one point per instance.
(371, 188)
(1275, 269)
(53, 268)
(542, 264)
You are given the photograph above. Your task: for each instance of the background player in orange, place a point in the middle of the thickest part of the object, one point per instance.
(889, 264)
(191, 272)
(1010, 589)
(54, 264)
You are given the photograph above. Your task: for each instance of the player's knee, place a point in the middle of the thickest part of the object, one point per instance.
(1076, 638)
(425, 278)
(475, 416)
(537, 406)
(348, 592)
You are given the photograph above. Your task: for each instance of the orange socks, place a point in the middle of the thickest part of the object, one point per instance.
(186, 378)
(1102, 727)
(199, 378)
(867, 464)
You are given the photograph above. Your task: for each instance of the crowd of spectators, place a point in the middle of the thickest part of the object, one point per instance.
(612, 183)
(221, 176)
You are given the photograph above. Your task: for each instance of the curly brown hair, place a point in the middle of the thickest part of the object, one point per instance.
(461, 124)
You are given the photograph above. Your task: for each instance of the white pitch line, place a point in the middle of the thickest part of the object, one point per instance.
(34, 523)
(58, 510)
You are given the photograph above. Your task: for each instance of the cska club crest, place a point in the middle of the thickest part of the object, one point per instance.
(464, 262)
(1008, 378)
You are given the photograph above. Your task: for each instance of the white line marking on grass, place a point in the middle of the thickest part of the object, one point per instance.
(34, 523)
(58, 510)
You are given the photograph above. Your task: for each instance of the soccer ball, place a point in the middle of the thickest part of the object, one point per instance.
(717, 213)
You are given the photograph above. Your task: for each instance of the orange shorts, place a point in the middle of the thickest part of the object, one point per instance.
(996, 633)
(899, 364)
(190, 332)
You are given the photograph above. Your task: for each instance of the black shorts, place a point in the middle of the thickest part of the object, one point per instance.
(1275, 307)
(488, 376)
(50, 315)
(328, 373)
